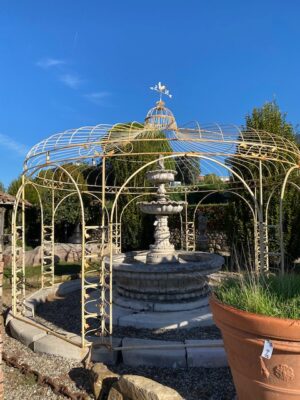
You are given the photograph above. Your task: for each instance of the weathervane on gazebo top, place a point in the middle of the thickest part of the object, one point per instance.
(161, 89)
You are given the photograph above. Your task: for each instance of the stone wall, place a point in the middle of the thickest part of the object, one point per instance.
(175, 237)
(65, 252)
(217, 242)
(212, 241)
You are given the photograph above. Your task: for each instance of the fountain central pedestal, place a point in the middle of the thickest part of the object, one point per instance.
(162, 251)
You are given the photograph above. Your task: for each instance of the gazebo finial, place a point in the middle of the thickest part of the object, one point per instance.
(161, 89)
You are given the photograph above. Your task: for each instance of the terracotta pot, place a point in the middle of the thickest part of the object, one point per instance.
(244, 333)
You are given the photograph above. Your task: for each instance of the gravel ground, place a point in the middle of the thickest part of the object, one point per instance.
(19, 387)
(192, 384)
(65, 314)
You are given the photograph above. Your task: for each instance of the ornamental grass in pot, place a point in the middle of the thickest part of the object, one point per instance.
(259, 317)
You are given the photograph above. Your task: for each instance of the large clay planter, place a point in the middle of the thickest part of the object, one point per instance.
(244, 333)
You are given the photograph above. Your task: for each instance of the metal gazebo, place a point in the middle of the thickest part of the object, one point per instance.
(250, 158)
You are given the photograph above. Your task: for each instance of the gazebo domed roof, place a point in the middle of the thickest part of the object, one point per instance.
(160, 117)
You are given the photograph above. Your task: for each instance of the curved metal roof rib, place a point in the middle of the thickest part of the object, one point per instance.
(226, 145)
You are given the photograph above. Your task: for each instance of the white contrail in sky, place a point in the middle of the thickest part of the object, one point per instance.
(71, 80)
(49, 62)
(98, 98)
(11, 144)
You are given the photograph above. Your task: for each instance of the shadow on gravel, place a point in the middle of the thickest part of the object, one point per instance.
(63, 313)
(82, 379)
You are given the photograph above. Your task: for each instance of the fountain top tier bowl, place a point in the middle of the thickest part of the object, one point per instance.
(159, 176)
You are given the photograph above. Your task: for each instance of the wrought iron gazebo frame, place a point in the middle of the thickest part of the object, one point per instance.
(237, 151)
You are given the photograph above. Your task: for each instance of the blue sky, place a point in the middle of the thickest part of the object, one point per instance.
(66, 63)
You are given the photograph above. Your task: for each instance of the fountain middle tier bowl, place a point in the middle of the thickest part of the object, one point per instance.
(161, 176)
(161, 208)
(182, 281)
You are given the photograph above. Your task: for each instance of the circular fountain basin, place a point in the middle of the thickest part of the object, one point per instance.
(161, 176)
(161, 208)
(182, 281)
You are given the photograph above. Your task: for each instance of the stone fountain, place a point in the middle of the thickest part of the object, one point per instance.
(162, 251)
(163, 279)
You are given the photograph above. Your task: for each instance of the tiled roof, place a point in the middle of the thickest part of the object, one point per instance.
(8, 199)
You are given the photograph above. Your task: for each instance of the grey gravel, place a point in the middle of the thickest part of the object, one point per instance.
(65, 314)
(192, 384)
(19, 387)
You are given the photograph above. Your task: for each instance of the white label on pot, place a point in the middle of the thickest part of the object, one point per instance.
(267, 350)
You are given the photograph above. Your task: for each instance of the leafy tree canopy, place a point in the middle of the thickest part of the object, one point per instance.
(211, 179)
(269, 118)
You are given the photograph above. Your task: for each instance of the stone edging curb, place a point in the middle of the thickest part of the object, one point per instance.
(136, 352)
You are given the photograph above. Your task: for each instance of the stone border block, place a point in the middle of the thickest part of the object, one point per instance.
(153, 357)
(206, 357)
(68, 287)
(24, 332)
(53, 345)
(105, 355)
(168, 320)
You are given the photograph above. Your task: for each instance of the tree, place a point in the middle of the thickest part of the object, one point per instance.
(136, 233)
(2, 188)
(68, 214)
(188, 170)
(212, 179)
(137, 229)
(267, 118)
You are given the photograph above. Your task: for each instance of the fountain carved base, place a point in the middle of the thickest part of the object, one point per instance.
(184, 281)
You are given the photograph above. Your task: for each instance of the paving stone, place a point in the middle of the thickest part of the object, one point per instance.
(53, 345)
(153, 357)
(38, 297)
(208, 357)
(68, 287)
(168, 320)
(121, 312)
(9, 317)
(25, 333)
(105, 355)
(41, 295)
(181, 306)
(140, 388)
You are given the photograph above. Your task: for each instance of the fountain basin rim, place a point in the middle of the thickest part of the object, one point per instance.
(126, 262)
